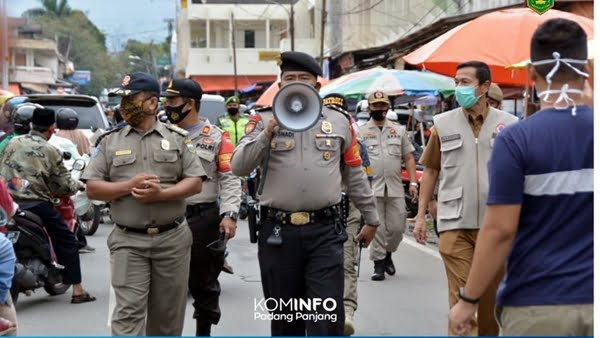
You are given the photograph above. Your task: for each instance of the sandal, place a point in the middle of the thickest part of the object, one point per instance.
(82, 298)
(6, 326)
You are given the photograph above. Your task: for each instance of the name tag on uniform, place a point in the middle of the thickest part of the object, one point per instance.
(123, 152)
(450, 138)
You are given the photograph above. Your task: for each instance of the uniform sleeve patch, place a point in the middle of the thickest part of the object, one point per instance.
(250, 126)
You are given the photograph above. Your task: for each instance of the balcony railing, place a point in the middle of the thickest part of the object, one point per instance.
(31, 74)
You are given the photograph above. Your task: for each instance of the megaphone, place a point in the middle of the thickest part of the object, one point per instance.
(297, 106)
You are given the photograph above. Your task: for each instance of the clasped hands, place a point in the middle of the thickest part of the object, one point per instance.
(145, 188)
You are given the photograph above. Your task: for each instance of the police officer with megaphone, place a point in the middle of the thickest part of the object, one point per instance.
(305, 152)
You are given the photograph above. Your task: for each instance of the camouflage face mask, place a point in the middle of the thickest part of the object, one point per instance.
(133, 111)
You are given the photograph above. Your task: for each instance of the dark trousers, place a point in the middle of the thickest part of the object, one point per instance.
(81, 240)
(205, 264)
(63, 240)
(308, 264)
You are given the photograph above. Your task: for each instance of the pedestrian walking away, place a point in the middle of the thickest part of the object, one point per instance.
(540, 216)
(207, 218)
(146, 169)
(300, 244)
(458, 152)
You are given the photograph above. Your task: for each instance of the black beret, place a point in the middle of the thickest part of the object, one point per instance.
(135, 83)
(335, 100)
(183, 87)
(43, 117)
(298, 61)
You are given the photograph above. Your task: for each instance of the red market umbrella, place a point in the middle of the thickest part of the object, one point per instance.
(499, 39)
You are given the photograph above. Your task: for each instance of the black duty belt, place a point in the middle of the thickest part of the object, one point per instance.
(299, 218)
(154, 229)
(200, 207)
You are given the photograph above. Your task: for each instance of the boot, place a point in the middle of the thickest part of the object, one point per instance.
(202, 329)
(379, 272)
(390, 269)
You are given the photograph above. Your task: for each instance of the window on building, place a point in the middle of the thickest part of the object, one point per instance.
(249, 39)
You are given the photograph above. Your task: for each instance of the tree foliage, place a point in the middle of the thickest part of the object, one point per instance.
(87, 47)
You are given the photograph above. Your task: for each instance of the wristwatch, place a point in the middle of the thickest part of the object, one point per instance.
(231, 214)
(461, 295)
(414, 184)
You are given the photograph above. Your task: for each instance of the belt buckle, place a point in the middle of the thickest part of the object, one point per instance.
(300, 218)
(152, 231)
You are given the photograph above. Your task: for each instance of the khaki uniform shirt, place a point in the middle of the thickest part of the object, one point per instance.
(306, 169)
(34, 170)
(386, 147)
(432, 156)
(214, 148)
(164, 151)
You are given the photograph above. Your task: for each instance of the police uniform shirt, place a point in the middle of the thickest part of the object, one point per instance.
(306, 169)
(214, 148)
(164, 151)
(386, 148)
(33, 170)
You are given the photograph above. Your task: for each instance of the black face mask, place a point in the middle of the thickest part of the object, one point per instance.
(176, 114)
(233, 111)
(378, 115)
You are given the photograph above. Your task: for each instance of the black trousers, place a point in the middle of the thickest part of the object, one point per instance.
(81, 240)
(64, 241)
(205, 264)
(309, 264)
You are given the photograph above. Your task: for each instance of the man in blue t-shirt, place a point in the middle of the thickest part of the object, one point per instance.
(539, 219)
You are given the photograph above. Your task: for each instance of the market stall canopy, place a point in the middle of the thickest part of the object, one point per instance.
(499, 39)
(408, 83)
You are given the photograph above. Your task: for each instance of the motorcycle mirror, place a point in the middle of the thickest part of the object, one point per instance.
(66, 156)
(3, 217)
(78, 165)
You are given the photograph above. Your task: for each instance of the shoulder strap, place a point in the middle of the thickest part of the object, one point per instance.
(115, 129)
(176, 129)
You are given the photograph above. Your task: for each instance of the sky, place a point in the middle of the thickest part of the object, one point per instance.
(119, 20)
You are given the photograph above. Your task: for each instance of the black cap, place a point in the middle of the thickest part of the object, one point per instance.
(43, 117)
(183, 87)
(298, 61)
(335, 99)
(135, 83)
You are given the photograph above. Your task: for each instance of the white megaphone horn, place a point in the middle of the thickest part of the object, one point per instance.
(297, 106)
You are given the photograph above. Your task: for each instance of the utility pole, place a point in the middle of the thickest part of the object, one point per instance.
(323, 21)
(4, 42)
(235, 82)
(292, 33)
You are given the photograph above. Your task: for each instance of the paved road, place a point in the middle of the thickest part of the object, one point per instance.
(411, 303)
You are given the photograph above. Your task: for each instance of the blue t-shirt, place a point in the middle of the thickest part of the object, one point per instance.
(545, 163)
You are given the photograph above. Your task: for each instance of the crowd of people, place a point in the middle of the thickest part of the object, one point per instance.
(514, 200)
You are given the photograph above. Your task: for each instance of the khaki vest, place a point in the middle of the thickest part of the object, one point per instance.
(463, 180)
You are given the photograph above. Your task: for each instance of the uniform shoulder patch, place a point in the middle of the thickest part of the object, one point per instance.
(217, 129)
(102, 136)
(176, 129)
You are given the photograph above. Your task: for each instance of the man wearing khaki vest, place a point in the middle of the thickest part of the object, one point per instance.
(458, 152)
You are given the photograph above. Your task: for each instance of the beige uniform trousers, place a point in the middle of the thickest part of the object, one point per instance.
(547, 320)
(351, 261)
(150, 277)
(392, 218)
(457, 248)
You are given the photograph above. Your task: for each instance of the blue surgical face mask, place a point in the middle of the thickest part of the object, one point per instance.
(465, 96)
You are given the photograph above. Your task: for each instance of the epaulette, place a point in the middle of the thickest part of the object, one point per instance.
(176, 129)
(115, 129)
(340, 110)
(218, 129)
(263, 109)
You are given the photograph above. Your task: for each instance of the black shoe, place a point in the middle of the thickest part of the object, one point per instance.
(379, 272)
(390, 269)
